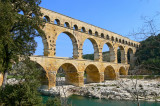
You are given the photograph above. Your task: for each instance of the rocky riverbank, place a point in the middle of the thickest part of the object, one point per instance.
(123, 89)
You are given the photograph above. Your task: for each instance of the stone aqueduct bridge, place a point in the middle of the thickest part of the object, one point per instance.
(78, 31)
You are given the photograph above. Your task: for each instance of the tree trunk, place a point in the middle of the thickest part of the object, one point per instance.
(5, 78)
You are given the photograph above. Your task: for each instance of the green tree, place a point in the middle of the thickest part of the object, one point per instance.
(20, 22)
(148, 54)
(25, 91)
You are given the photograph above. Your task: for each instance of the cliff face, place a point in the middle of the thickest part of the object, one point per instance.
(1, 79)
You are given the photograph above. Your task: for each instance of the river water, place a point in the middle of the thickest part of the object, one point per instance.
(84, 101)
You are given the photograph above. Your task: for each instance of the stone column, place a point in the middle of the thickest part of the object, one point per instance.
(101, 76)
(51, 79)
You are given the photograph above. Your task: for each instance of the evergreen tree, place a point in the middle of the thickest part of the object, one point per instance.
(20, 22)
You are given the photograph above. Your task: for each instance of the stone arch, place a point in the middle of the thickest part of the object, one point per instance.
(119, 40)
(111, 52)
(116, 39)
(74, 43)
(75, 27)
(83, 29)
(123, 41)
(46, 18)
(57, 22)
(95, 46)
(120, 54)
(71, 73)
(92, 74)
(96, 33)
(126, 42)
(122, 71)
(90, 32)
(44, 78)
(109, 73)
(107, 37)
(112, 38)
(66, 24)
(102, 35)
(130, 56)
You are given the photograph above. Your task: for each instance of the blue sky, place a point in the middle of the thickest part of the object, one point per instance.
(119, 16)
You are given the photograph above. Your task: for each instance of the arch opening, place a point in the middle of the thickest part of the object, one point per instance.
(67, 75)
(96, 33)
(120, 55)
(109, 73)
(66, 25)
(91, 74)
(83, 29)
(57, 22)
(90, 50)
(116, 39)
(130, 55)
(112, 38)
(90, 32)
(46, 19)
(66, 45)
(102, 35)
(108, 52)
(107, 37)
(75, 27)
(122, 71)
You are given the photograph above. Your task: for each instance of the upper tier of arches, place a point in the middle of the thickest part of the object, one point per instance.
(77, 25)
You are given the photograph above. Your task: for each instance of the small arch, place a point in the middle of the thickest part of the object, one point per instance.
(68, 74)
(134, 45)
(109, 73)
(129, 43)
(126, 42)
(96, 33)
(57, 22)
(122, 71)
(116, 39)
(46, 18)
(107, 37)
(92, 74)
(75, 27)
(102, 35)
(90, 32)
(119, 40)
(66, 25)
(112, 38)
(83, 29)
(123, 41)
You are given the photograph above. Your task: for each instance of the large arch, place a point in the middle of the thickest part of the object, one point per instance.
(110, 55)
(92, 74)
(120, 54)
(109, 73)
(74, 43)
(130, 56)
(70, 73)
(43, 78)
(95, 46)
(122, 71)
